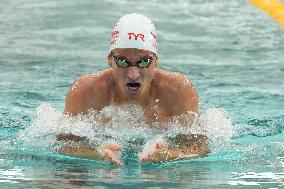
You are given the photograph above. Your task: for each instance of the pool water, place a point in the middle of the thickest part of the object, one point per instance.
(232, 52)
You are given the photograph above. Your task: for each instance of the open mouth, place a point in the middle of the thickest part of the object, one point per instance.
(133, 86)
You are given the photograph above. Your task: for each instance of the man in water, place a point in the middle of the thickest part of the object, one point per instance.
(133, 78)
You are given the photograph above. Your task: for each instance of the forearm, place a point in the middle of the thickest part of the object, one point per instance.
(190, 145)
(170, 155)
(83, 152)
(79, 149)
(83, 149)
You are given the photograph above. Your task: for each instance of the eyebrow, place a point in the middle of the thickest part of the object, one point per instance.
(119, 56)
(147, 56)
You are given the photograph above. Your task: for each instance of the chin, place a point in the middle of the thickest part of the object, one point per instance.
(133, 94)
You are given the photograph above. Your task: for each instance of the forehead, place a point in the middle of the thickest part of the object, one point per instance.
(132, 52)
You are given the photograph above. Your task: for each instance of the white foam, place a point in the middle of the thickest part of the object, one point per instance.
(119, 123)
(218, 128)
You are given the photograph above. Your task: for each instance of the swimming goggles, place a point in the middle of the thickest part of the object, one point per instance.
(124, 62)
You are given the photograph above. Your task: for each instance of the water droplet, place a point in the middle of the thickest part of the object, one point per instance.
(156, 116)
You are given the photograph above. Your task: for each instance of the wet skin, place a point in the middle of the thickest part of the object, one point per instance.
(161, 94)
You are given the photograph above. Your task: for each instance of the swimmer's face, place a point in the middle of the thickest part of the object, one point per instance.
(132, 81)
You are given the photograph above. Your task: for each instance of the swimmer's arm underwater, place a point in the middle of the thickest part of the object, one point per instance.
(180, 147)
(105, 153)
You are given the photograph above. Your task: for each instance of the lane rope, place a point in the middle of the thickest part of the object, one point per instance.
(274, 8)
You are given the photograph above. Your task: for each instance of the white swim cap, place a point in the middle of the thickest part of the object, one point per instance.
(134, 31)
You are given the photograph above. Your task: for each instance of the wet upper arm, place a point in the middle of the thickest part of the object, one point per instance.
(89, 92)
(77, 97)
(186, 97)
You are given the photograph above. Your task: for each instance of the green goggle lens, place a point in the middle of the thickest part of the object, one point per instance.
(144, 63)
(124, 63)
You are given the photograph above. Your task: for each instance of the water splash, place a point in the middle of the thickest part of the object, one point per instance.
(123, 124)
(126, 126)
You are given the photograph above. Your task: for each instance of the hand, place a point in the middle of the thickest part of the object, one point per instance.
(106, 153)
(109, 152)
(156, 151)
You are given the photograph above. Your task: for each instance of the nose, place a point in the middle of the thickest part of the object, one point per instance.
(133, 73)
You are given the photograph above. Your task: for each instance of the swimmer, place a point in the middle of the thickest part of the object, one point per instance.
(133, 78)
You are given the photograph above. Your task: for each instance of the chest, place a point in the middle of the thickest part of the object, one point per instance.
(155, 112)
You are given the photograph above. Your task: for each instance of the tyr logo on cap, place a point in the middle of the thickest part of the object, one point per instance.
(136, 36)
(134, 31)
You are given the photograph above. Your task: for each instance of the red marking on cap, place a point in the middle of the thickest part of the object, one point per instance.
(113, 42)
(154, 35)
(155, 45)
(136, 36)
(115, 33)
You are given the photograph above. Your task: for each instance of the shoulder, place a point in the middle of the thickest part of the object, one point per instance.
(178, 89)
(91, 82)
(175, 83)
(89, 91)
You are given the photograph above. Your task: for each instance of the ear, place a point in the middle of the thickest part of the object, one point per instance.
(156, 60)
(109, 57)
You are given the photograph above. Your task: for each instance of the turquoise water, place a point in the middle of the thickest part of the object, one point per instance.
(231, 51)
